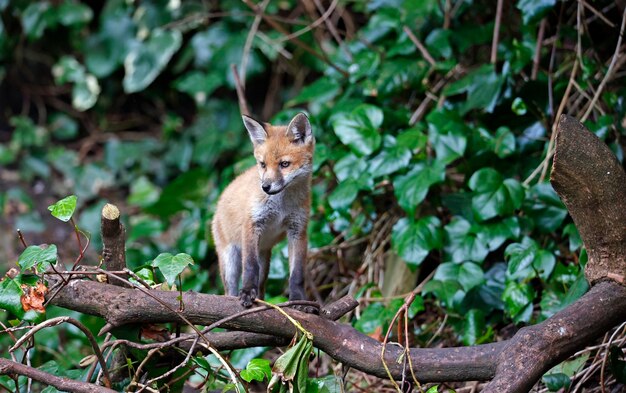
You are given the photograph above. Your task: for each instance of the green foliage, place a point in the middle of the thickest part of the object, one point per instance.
(64, 209)
(291, 369)
(257, 370)
(136, 102)
(172, 265)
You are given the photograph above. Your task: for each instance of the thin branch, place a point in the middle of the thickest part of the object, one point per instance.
(241, 93)
(609, 72)
(419, 46)
(540, 33)
(248, 45)
(8, 367)
(496, 33)
(313, 25)
(83, 328)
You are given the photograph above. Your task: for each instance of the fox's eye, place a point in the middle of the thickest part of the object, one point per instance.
(284, 164)
(262, 164)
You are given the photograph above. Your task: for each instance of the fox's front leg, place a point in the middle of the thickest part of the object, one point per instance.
(250, 260)
(297, 258)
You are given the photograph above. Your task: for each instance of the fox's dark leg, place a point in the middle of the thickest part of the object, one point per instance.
(296, 236)
(250, 255)
(264, 265)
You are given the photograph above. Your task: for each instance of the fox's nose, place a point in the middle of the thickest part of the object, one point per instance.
(266, 187)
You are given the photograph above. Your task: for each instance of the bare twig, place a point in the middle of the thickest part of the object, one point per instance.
(323, 18)
(241, 93)
(609, 71)
(248, 45)
(83, 328)
(496, 33)
(419, 46)
(540, 33)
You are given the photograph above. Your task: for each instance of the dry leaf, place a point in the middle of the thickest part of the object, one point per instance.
(34, 297)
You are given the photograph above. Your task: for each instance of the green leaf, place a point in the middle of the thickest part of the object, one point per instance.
(412, 241)
(63, 127)
(517, 298)
(544, 208)
(257, 370)
(496, 233)
(618, 366)
(344, 194)
(390, 160)
(467, 274)
(464, 242)
(37, 256)
(36, 18)
(291, 368)
(534, 10)
(10, 294)
(503, 144)
(64, 209)
(143, 192)
(172, 265)
(359, 128)
(86, 88)
(448, 135)
(526, 259)
(473, 326)
(519, 106)
(493, 195)
(146, 61)
(411, 189)
(482, 86)
(322, 90)
(70, 13)
(556, 381)
(416, 307)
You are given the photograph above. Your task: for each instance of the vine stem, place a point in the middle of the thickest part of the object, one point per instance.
(295, 323)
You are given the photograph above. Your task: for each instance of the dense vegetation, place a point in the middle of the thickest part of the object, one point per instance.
(432, 158)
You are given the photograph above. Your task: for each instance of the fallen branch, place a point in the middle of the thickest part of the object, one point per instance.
(61, 383)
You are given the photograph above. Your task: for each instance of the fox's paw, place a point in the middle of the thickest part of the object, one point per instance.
(307, 309)
(247, 296)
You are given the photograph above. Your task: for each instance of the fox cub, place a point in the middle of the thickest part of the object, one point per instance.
(264, 204)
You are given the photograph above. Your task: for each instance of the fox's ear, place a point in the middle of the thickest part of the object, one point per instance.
(299, 129)
(258, 135)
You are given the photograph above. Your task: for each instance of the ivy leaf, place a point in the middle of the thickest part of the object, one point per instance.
(526, 259)
(257, 370)
(172, 265)
(517, 299)
(291, 368)
(494, 196)
(146, 61)
(37, 256)
(64, 209)
(473, 326)
(359, 128)
(447, 134)
(412, 241)
(411, 189)
(390, 160)
(556, 381)
(534, 10)
(482, 86)
(544, 208)
(464, 242)
(467, 274)
(344, 194)
(10, 294)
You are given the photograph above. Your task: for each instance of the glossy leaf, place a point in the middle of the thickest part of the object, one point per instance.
(257, 370)
(359, 128)
(146, 61)
(39, 257)
(172, 265)
(411, 189)
(64, 209)
(494, 195)
(412, 241)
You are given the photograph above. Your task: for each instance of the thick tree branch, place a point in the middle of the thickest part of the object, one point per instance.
(64, 384)
(113, 240)
(592, 184)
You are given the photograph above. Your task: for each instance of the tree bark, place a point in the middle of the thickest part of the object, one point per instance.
(592, 184)
(113, 240)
